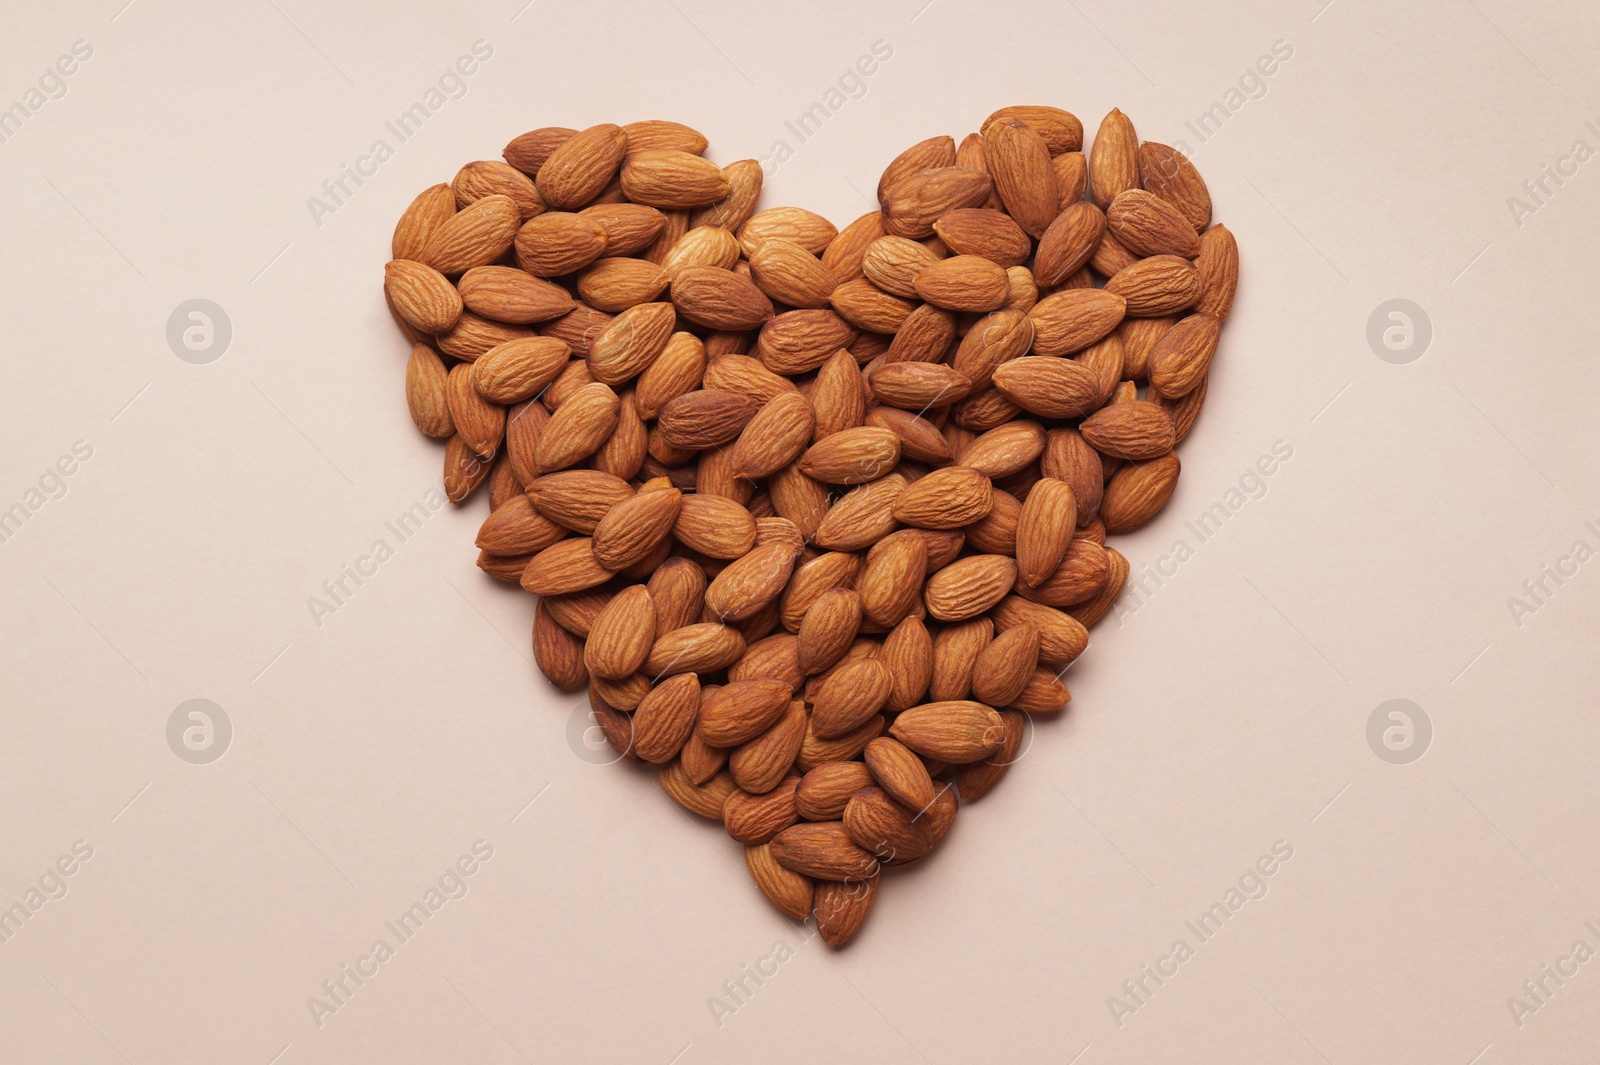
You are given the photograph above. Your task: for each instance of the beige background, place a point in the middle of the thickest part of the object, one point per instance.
(1227, 712)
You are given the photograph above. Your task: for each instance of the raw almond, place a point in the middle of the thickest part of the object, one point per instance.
(956, 730)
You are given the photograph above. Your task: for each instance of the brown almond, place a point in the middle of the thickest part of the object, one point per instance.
(422, 296)
(426, 392)
(507, 294)
(969, 586)
(1133, 431)
(578, 499)
(806, 228)
(1070, 321)
(1218, 263)
(892, 264)
(750, 583)
(900, 773)
(1113, 159)
(704, 800)
(1180, 359)
(790, 892)
(814, 750)
(1137, 492)
(879, 824)
(665, 718)
(775, 437)
(993, 340)
(528, 151)
(480, 423)
(631, 342)
(977, 779)
(557, 653)
(433, 206)
(840, 909)
(741, 710)
(962, 283)
(474, 236)
(1082, 573)
(755, 817)
(930, 154)
(947, 498)
(490, 177)
(918, 386)
(1061, 637)
(1092, 610)
(826, 632)
(992, 234)
(582, 166)
(908, 654)
(566, 566)
(825, 791)
(1061, 130)
(823, 850)
(1003, 451)
(558, 243)
(659, 134)
(710, 417)
(1002, 669)
(849, 696)
(798, 342)
(701, 648)
(1068, 243)
(671, 179)
(914, 203)
(789, 274)
(512, 372)
(764, 763)
(852, 456)
(1018, 160)
(956, 730)
(1146, 224)
(516, 528)
(578, 428)
(622, 635)
(892, 577)
(1166, 172)
(1044, 529)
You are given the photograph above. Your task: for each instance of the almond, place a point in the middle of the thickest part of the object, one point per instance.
(789, 274)
(512, 372)
(948, 498)
(630, 227)
(969, 586)
(578, 428)
(1003, 451)
(892, 264)
(852, 456)
(1061, 130)
(809, 230)
(764, 763)
(790, 892)
(900, 773)
(1082, 573)
(755, 817)
(1114, 159)
(557, 653)
(528, 151)
(480, 423)
(892, 578)
(984, 232)
(1068, 243)
(914, 203)
(775, 437)
(843, 255)
(1002, 669)
(566, 566)
(666, 717)
(917, 386)
(715, 526)
(1146, 224)
(1218, 263)
(862, 516)
(707, 418)
(1044, 529)
(797, 342)
(1061, 637)
(908, 655)
(1018, 160)
(1137, 492)
(840, 909)
(702, 648)
(1166, 172)
(1049, 387)
(1133, 431)
(582, 166)
(826, 632)
(578, 499)
(422, 296)
(814, 751)
(992, 341)
(734, 209)
(957, 730)
(1072, 320)
(426, 388)
(506, 294)
(879, 824)
(1180, 359)
(823, 850)
(490, 177)
(977, 779)
(924, 336)
(1158, 285)
(962, 283)
(515, 528)
(850, 696)
(671, 178)
(825, 791)
(955, 654)
(432, 208)
(750, 583)
(704, 800)
(622, 635)
(1092, 610)
(930, 154)
(558, 243)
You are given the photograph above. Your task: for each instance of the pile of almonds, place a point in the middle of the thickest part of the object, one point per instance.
(817, 516)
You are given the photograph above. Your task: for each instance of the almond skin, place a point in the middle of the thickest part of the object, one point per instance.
(945, 499)
(702, 648)
(1113, 159)
(1044, 529)
(622, 635)
(578, 428)
(474, 236)
(823, 850)
(719, 299)
(422, 296)
(750, 583)
(1018, 160)
(1002, 669)
(432, 207)
(426, 385)
(671, 179)
(900, 773)
(908, 655)
(666, 717)
(969, 586)
(1180, 359)
(559, 243)
(518, 369)
(510, 295)
(775, 437)
(957, 730)
(790, 892)
(1218, 263)
(1070, 321)
(580, 168)
(764, 763)
(1068, 243)
(715, 526)
(1137, 492)
(913, 204)
(879, 824)
(850, 696)
(1133, 431)
(755, 817)
(1166, 172)
(852, 456)
(1146, 224)
(840, 909)
(994, 235)
(826, 632)
(962, 283)
(631, 342)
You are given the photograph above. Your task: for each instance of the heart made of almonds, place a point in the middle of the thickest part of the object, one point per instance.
(818, 516)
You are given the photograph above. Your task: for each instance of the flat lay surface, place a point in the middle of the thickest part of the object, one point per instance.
(284, 785)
